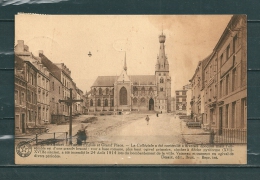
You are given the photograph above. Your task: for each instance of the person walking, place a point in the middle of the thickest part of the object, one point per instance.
(147, 119)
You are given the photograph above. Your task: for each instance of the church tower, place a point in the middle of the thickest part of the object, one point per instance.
(163, 79)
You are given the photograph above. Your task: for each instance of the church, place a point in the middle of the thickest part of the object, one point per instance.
(134, 92)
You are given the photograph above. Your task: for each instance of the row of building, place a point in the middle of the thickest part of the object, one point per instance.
(39, 85)
(219, 84)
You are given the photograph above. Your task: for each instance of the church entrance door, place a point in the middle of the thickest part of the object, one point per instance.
(151, 104)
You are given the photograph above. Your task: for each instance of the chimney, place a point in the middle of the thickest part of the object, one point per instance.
(40, 52)
(20, 46)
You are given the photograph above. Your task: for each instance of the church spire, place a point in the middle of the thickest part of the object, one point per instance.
(125, 67)
(162, 62)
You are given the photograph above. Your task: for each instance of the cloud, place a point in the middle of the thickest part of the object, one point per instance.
(19, 2)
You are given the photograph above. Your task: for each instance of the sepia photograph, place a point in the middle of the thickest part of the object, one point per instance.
(130, 89)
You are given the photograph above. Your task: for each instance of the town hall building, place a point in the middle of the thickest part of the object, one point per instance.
(134, 92)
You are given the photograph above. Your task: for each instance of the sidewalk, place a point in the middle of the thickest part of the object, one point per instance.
(194, 135)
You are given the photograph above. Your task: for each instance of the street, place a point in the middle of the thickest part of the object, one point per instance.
(126, 129)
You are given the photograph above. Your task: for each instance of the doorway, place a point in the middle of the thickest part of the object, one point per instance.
(23, 123)
(151, 104)
(220, 120)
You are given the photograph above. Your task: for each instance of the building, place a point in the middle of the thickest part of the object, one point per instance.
(134, 92)
(188, 98)
(43, 92)
(231, 107)
(181, 101)
(30, 75)
(221, 79)
(20, 96)
(173, 105)
(197, 91)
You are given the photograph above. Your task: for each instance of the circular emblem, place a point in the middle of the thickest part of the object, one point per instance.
(23, 149)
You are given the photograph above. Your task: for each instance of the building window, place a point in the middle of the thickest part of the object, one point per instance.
(228, 52)
(143, 91)
(234, 79)
(106, 102)
(53, 86)
(28, 96)
(112, 91)
(112, 102)
(227, 84)
(220, 88)
(100, 91)
(107, 91)
(183, 93)
(123, 96)
(91, 102)
(98, 102)
(151, 90)
(161, 89)
(16, 97)
(227, 116)
(234, 43)
(161, 80)
(177, 92)
(135, 91)
(221, 60)
(135, 101)
(233, 114)
(22, 98)
(243, 113)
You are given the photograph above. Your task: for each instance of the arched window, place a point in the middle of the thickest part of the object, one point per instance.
(161, 80)
(98, 102)
(107, 91)
(135, 101)
(112, 102)
(135, 91)
(112, 91)
(106, 102)
(150, 90)
(94, 91)
(143, 101)
(161, 89)
(143, 91)
(91, 102)
(100, 91)
(123, 96)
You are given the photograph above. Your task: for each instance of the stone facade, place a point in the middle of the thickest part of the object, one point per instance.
(134, 92)
(221, 97)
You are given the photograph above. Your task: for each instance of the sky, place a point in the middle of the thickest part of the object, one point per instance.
(69, 38)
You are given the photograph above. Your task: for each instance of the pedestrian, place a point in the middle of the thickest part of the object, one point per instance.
(157, 114)
(81, 135)
(147, 119)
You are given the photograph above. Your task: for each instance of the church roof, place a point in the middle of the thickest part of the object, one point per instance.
(105, 81)
(143, 79)
(102, 81)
